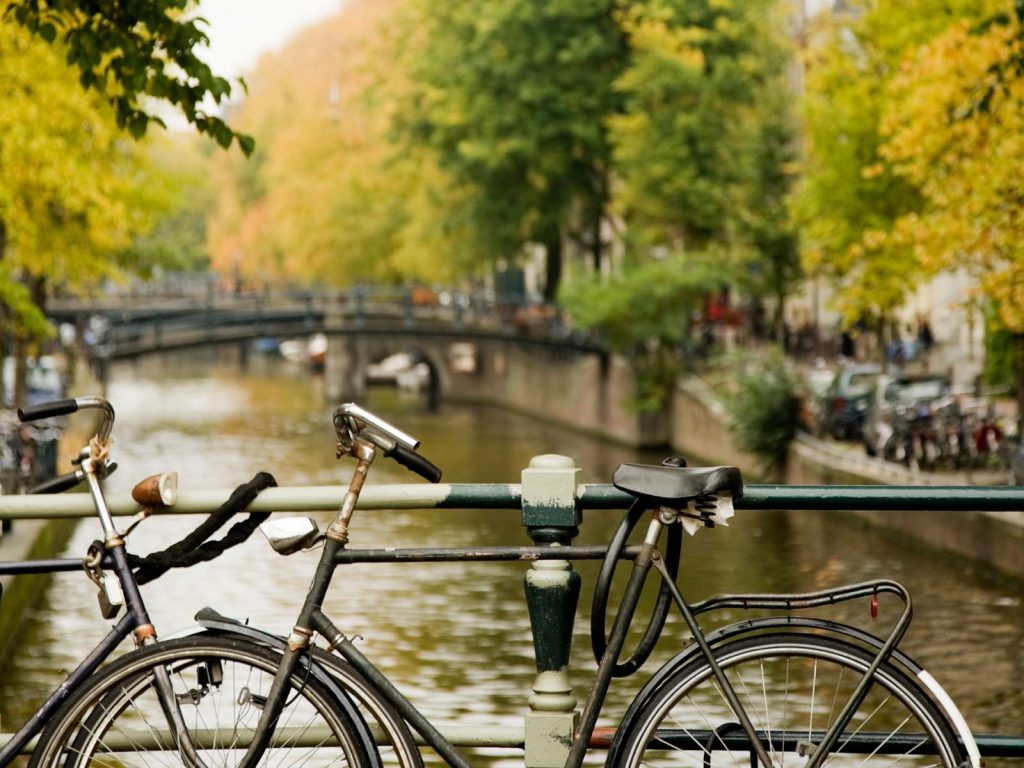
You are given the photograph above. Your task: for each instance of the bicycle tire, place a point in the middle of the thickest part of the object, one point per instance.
(396, 743)
(686, 721)
(116, 718)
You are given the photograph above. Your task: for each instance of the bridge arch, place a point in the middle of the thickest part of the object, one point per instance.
(416, 354)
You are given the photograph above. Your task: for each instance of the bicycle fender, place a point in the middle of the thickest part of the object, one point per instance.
(750, 626)
(954, 716)
(214, 623)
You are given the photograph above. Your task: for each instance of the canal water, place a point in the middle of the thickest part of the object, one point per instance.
(456, 637)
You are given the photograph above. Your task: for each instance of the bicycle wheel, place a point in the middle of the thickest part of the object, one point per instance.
(395, 741)
(792, 687)
(221, 685)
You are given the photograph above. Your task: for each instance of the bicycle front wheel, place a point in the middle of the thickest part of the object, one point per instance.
(792, 688)
(221, 686)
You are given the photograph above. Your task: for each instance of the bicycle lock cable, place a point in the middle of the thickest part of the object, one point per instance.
(195, 548)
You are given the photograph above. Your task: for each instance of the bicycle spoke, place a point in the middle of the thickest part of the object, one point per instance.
(804, 680)
(767, 712)
(755, 719)
(219, 688)
(785, 709)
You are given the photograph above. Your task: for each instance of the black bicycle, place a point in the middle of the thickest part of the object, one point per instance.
(214, 661)
(768, 689)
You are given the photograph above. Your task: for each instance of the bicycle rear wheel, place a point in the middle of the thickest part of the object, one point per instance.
(221, 684)
(792, 688)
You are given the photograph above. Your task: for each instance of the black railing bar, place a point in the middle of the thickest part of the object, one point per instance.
(482, 496)
(933, 498)
(420, 555)
(461, 554)
(861, 743)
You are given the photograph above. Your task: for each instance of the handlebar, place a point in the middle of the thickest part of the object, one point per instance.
(352, 422)
(71, 405)
(45, 410)
(354, 419)
(60, 483)
(418, 464)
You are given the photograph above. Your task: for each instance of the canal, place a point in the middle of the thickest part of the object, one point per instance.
(456, 637)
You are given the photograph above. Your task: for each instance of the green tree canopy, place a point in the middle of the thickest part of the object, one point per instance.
(511, 98)
(644, 313)
(69, 181)
(703, 142)
(849, 199)
(134, 54)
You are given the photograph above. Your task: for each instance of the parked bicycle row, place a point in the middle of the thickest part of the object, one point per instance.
(229, 694)
(918, 420)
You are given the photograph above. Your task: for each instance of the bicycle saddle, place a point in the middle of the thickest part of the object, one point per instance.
(676, 485)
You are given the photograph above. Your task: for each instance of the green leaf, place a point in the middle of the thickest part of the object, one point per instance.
(48, 32)
(222, 134)
(246, 143)
(137, 125)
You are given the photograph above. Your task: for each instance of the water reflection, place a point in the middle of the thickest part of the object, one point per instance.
(456, 637)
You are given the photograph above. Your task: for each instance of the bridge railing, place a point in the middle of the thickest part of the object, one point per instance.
(126, 329)
(550, 499)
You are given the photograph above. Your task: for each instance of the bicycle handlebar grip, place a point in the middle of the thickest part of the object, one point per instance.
(59, 484)
(413, 461)
(45, 410)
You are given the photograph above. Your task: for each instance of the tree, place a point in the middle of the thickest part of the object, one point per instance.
(644, 314)
(678, 141)
(133, 54)
(849, 199)
(180, 194)
(323, 199)
(511, 98)
(955, 130)
(69, 191)
(702, 143)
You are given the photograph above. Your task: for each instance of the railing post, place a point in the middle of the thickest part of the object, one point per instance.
(551, 514)
(359, 294)
(409, 309)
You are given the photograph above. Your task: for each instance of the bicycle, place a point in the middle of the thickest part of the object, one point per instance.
(118, 575)
(755, 687)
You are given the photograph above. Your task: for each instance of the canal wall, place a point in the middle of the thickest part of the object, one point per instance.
(592, 392)
(993, 539)
(40, 539)
(584, 391)
(27, 540)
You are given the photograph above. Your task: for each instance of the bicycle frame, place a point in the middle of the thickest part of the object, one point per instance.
(312, 620)
(135, 621)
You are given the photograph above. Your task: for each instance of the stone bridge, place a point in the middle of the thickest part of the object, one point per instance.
(476, 350)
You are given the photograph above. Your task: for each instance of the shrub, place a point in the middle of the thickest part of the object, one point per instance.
(643, 314)
(764, 403)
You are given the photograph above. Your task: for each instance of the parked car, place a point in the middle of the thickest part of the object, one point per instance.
(898, 398)
(845, 402)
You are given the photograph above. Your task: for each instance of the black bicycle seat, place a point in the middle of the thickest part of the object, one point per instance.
(674, 485)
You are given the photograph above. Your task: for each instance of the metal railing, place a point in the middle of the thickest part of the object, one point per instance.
(551, 499)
